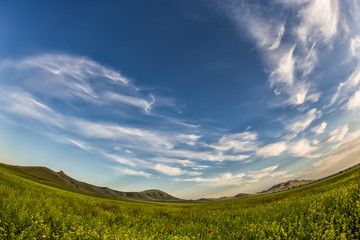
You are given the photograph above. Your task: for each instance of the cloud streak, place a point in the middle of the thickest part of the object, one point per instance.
(230, 179)
(24, 104)
(272, 150)
(290, 44)
(319, 21)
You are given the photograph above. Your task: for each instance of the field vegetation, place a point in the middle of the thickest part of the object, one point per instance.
(329, 209)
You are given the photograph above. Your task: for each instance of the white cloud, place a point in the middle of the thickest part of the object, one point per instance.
(189, 139)
(346, 152)
(183, 162)
(173, 171)
(338, 134)
(345, 88)
(303, 122)
(125, 171)
(272, 150)
(308, 63)
(130, 100)
(314, 26)
(24, 104)
(355, 46)
(319, 20)
(73, 67)
(284, 72)
(77, 78)
(291, 60)
(300, 93)
(354, 101)
(239, 157)
(72, 76)
(229, 179)
(111, 131)
(267, 34)
(354, 78)
(78, 143)
(118, 159)
(225, 179)
(319, 129)
(151, 142)
(280, 33)
(255, 176)
(202, 155)
(302, 148)
(238, 142)
(299, 96)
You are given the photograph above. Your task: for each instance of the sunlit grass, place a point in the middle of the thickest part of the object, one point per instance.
(326, 210)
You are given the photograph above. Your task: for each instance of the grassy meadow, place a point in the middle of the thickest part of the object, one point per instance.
(329, 209)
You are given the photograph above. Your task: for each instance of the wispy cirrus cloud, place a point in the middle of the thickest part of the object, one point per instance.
(78, 82)
(130, 100)
(118, 159)
(204, 155)
(126, 171)
(131, 135)
(345, 153)
(249, 16)
(70, 74)
(190, 139)
(255, 176)
(226, 179)
(182, 162)
(284, 71)
(238, 142)
(354, 101)
(347, 88)
(81, 79)
(24, 104)
(319, 21)
(290, 44)
(355, 46)
(230, 179)
(71, 67)
(319, 129)
(302, 148)
(76, 142)
(173, 171)
(77, 78)
(272, 150)
(338, 134)
(301, 123)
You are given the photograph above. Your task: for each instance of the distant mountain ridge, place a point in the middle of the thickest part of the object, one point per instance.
(287, 185)
(63, 181)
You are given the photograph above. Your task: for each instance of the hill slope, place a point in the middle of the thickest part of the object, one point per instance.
(63, 181)
(329, 209)
(287, 185)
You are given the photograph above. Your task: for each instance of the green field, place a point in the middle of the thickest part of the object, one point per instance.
(329, 209)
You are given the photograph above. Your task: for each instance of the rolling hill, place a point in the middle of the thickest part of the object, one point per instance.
(61, 180)
(327, 209)
(287, 185)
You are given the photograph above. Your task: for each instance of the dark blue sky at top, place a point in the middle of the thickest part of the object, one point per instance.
(184, 49)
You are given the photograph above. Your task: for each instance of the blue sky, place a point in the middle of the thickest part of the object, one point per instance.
(196, 98)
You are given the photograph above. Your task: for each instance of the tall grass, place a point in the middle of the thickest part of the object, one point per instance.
(326, 210)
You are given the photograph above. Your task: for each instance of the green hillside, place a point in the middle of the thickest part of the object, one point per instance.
(329, 209)
(287, 185)
(61, 180)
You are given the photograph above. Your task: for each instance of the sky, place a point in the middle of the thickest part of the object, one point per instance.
(197, 98)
